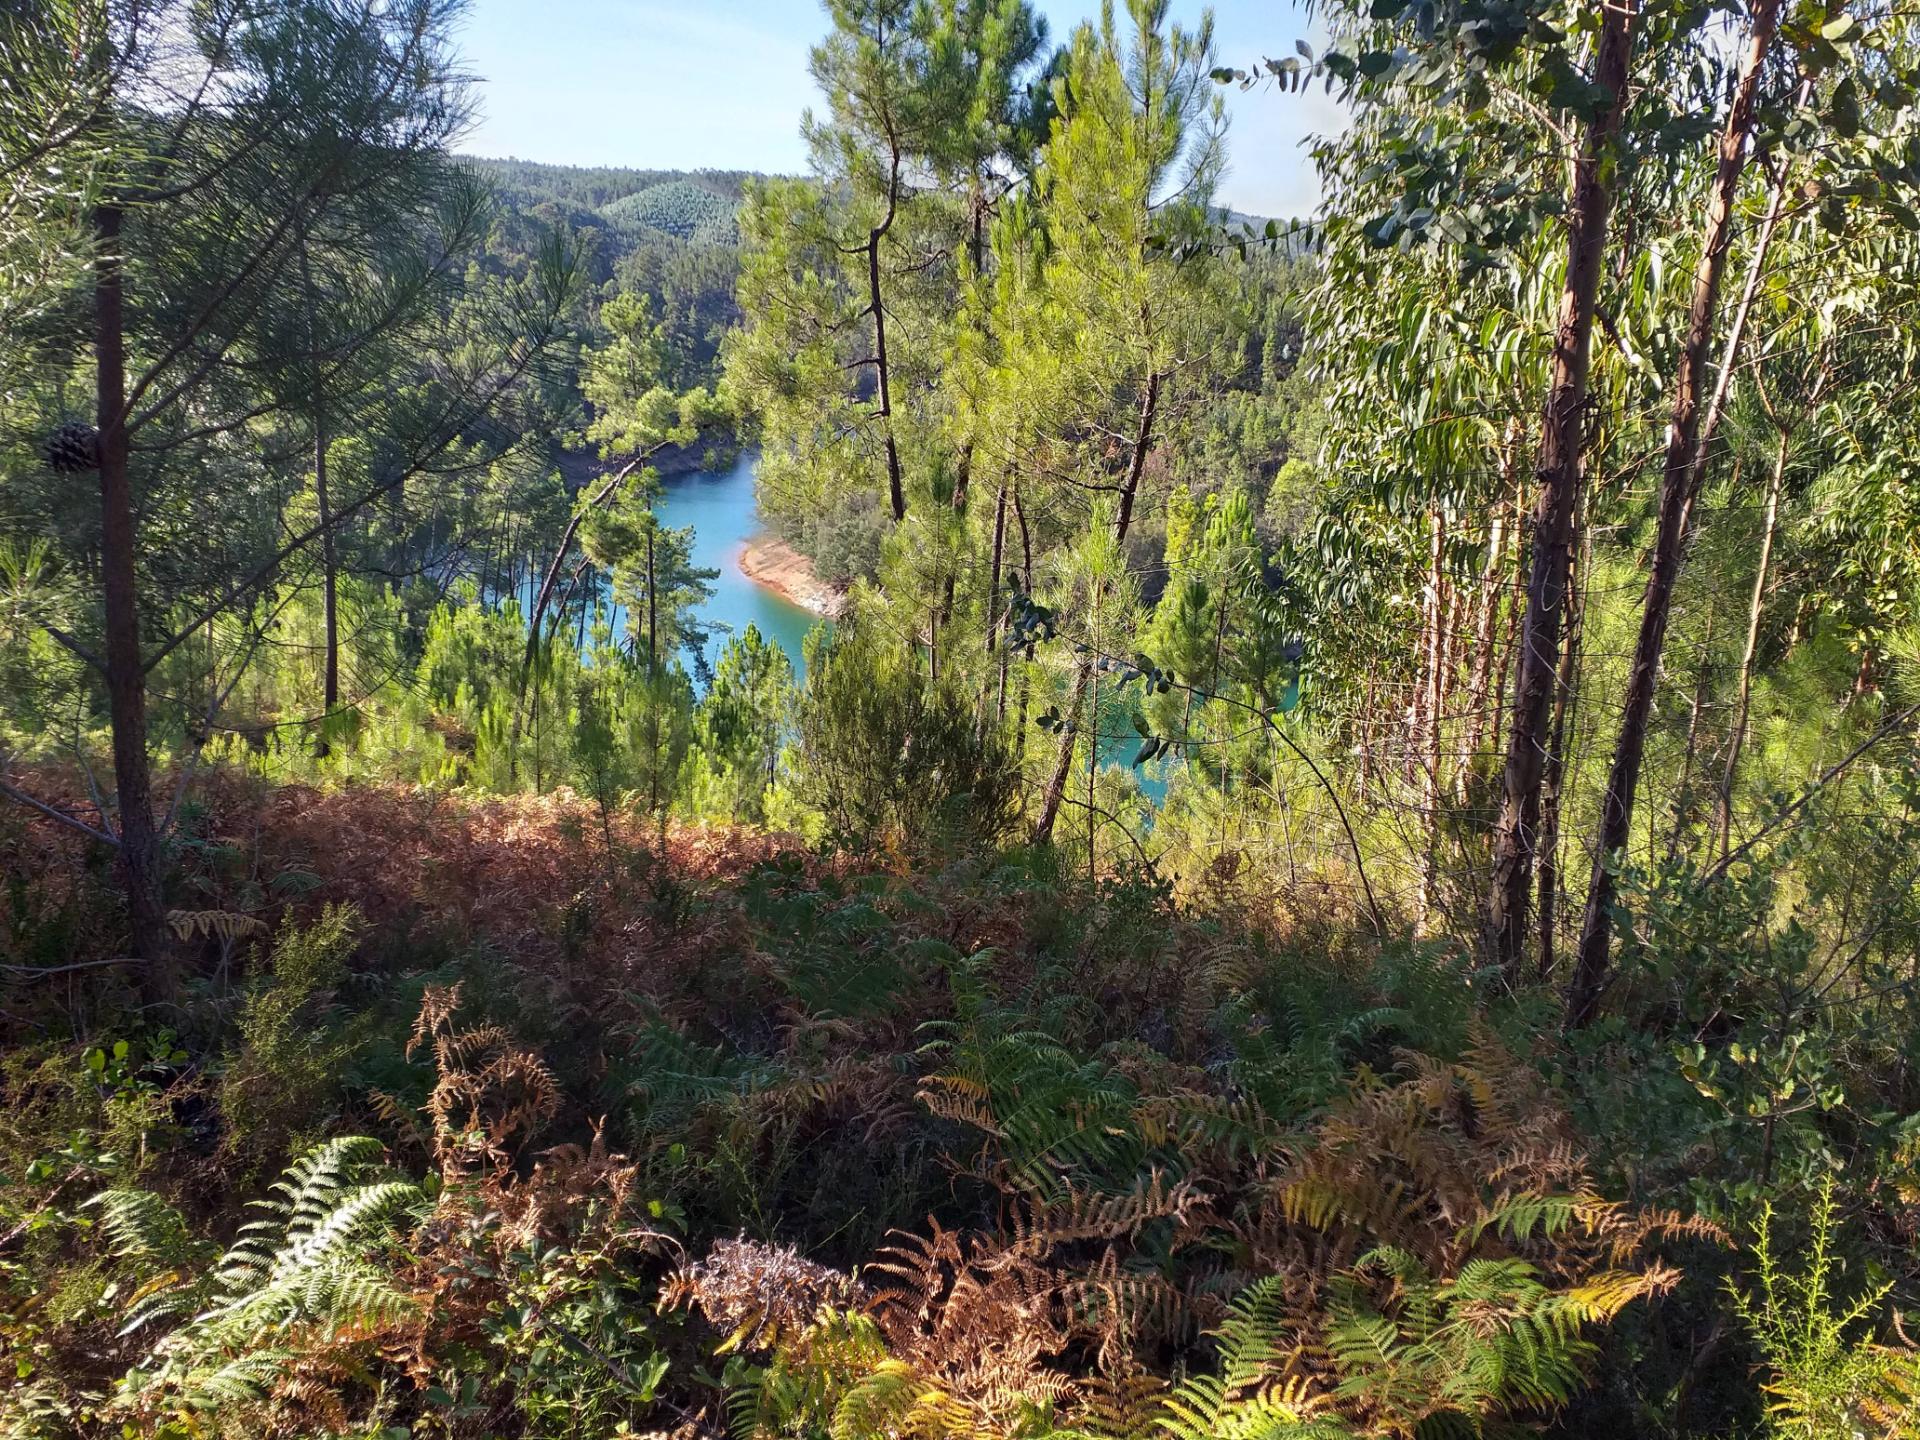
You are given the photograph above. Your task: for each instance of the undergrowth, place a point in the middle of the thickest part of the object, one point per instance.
(743, 1138)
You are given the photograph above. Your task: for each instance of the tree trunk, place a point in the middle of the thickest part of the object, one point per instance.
(329, 567)
(994, 617)
(1562, 431)
(1743, 696)
(1136, 466)
(125, 671)
(1479, 696)
(1680, 477)
(1026, 585)
(1553, 779)
(653, 611)
(896, 489)
(323, 517)
(1435, 699)
(993, 572)
(1682, 797)
(1063, 762)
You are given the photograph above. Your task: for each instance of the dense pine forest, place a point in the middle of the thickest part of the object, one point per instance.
(1344, 864)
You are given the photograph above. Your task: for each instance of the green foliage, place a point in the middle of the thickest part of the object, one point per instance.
(306, 1268)
(1831, 1377)
(742, 725)
(890, 755)
(1241, 1401)
(685, 209)
(572, 1341)
(292, 1043)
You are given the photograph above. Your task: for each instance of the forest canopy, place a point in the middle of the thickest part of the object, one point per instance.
(1338, 857)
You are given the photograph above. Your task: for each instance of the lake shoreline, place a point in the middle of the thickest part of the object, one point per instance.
(775, 565)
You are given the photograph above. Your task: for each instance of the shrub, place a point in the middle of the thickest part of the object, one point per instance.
(283, 1076)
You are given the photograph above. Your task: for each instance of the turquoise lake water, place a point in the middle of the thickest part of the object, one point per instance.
(721, 507)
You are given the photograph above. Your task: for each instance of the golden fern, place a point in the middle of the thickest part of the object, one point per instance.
(226, 925)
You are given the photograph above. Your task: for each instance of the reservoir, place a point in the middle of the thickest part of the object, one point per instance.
(721, 507)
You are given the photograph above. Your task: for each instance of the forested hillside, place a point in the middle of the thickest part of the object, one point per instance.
(1345, 867)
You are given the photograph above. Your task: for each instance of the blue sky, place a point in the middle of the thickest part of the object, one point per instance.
(684, 84)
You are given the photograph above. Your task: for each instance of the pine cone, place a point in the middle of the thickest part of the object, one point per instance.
(74, 446)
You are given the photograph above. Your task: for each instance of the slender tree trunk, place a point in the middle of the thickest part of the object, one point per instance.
(1743, 695)
(993, 593)
(1093, 741)
(1863, 678)
(1506, 641)
(550, 580)
(1365, 771)
(1562, 433)
(1430, 760)
(1137, 464)
(1553, 779)
(1063, 761)
(323, 517)
(993, 576)
(125, 670)
(1026, 585)
(896, 488)
(1737, 329)
(329, 566)
(653, 611)
(1479, 696)
(1136, 467)
(1680, 478)
(1682, 800)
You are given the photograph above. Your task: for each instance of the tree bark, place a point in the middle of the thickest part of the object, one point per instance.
(1562, 432)
(993, 603)
(1136, 467)
(896, 489)
(993, 573)
(1680, 478)
(653, 611)
(1479, 679)
(1435, 698)
(323, 516)
(1553, 780)
(125, 672)
(1063, 762)
(1026, 584)
(1137, 464)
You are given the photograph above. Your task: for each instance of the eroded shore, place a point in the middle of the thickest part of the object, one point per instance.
(772, 562)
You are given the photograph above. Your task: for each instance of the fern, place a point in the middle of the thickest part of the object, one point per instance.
(150, 1238)
(1054, 1120)
(305, 1267)
(1410, 1348)
(1249, 1398)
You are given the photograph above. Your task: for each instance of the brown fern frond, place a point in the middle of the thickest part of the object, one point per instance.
(756, 1295)
(228, 925)
(1122, 1405)
(960, 1098)
(1086, 1215)
(437, 1007)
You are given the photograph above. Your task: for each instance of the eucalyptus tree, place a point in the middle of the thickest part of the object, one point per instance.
(1840, 44)
(1481, 124)
(234, 140)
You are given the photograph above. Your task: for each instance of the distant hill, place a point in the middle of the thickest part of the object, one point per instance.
(688, 209)
(695, 206)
